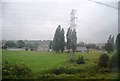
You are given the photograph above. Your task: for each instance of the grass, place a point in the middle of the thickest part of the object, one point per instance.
(40, 62)
(35, 60)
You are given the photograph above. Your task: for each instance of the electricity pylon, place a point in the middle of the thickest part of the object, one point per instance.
(73, 19)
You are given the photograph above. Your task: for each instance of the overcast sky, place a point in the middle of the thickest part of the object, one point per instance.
(39, 20)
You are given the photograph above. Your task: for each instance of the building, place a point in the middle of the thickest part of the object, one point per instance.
(43, 45)
(81, 49)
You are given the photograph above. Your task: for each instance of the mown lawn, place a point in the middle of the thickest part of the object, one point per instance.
(40, 62)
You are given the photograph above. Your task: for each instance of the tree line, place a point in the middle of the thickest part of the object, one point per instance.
(19, 44)
(58, 44)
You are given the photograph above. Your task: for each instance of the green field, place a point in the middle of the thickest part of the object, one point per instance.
(39, 62)
(36, 60)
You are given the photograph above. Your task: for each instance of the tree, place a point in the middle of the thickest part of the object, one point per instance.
(50, 44)
(71, 39)
(114, 61)
(20, 43)
(117, 44)
(71, 32)
(10, 44)
(58, 40)
(109, 46)
(62, 40)
(74, 40)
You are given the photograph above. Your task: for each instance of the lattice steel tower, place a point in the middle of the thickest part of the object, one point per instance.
(73, 19)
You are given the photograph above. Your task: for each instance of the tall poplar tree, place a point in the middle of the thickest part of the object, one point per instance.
(109, 46)
(71, 39)
(74, 40)
(58, 41)
(62, 41)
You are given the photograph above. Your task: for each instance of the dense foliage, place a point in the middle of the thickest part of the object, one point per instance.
(109, 46)
(80, 60)
(114, 60)
(20, 43)
(15, 71)
(58, 40)
(10, 44)
(118, 43)
(103, 60)
(71, 39)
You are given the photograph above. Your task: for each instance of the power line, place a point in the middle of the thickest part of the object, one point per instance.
(111, 6)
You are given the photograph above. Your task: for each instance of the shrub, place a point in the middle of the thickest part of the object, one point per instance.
(26, 49)
(54, 77)
(66, 70)
(31, 49)
(80, 60)
(114, 60)
(15, 71)
(72, 60)
(59, 70)
(103, 60)
(103, 70)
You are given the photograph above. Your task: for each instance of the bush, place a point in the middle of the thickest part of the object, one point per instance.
(15, 71)
(66, 70)
(54, 77)
(103, 60)
(80, 60)
(31, 49)
(114, 60)
(103, 70)
(26, 49)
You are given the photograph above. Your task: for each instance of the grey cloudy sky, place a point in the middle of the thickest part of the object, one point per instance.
(39, 20)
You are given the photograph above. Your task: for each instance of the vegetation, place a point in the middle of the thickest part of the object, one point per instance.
(80, 60)
(50, 44)
(50, 65)
(10, 44)
(114, 61)
(15, 71)
(118, 43)
(109, 46)
(58, 40)
(20, 43)
(71, 39)
(103, 60)
(37, 61)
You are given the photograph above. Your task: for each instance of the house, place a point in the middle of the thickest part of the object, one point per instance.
(81, 49)
(78, 49)
(43, 45)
